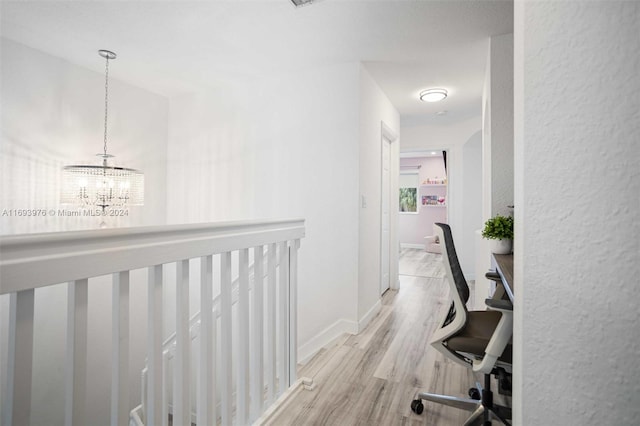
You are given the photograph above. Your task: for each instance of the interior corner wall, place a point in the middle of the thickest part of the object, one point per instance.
(450, 137)
(497, 147)
(375, 109)
(52, 115)
(498, 127)
(576, 339)
(280, 147)
(471, 201)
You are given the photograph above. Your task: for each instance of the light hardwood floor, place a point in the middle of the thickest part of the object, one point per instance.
(371, 378)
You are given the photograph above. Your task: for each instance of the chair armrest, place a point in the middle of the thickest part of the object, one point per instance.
(499, 339)
(499, 305)
(493, 276)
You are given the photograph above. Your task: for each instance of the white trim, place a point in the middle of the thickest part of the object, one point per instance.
(283, 401)
(324, 338)
(387, 134)
(70, 256)
(412, 246)
(366, 318)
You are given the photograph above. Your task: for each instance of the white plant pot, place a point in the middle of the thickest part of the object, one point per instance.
(501, 246)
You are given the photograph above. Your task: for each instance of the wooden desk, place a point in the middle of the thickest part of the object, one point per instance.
(504, 266)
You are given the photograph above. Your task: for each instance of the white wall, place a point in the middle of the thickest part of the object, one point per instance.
(498, 127)
(452, 138)
(284, 146)
(375, 109)
(471, 201)
(52, 115)
(577, 229)
(497, 147)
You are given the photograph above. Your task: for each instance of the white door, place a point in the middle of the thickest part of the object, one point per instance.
(384, 216)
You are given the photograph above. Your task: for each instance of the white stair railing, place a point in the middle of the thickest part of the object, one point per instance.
(256, 338)
(169, 346)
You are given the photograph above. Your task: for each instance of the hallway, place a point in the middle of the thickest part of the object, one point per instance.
(371, 378)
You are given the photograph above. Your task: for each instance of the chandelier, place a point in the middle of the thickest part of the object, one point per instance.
(102, 185)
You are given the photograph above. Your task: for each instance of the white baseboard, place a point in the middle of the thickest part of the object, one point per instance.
(324, 338)
(413, 246)
(366, 318)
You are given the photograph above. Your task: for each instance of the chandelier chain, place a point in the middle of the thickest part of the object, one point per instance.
(106, 103)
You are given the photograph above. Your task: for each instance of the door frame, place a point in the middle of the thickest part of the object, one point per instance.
(386, 133)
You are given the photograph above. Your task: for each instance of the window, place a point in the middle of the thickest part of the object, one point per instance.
(408, 184)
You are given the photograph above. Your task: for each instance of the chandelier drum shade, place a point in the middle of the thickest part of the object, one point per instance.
(104, 185)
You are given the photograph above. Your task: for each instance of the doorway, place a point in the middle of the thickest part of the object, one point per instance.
(388, 209)
(385, 247)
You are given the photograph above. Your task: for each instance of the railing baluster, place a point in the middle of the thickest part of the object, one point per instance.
(226, 387)
(293, 311)
(283, 318)
(120, 349)
(182, 371)
(206, 375)
(266, 323)
(271, 324)
(166, 374)
(257, 346)
(242, 390)
(154, 347)
(16, 408)
(76, 361)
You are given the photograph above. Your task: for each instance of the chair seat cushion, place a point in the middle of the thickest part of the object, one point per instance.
(475, 335)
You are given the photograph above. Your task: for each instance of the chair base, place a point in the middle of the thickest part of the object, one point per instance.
(483, 410)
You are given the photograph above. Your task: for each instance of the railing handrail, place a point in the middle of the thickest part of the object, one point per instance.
(74, 255)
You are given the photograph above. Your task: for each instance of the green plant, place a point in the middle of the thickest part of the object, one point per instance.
(498, 228)
(408, 200)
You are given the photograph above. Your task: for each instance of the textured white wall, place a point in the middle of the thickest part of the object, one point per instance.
(497, 146)
(577, 249)
(52, 115)
(374, 109)
(501, 122)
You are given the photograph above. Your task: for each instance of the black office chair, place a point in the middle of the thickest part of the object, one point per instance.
(479, 340)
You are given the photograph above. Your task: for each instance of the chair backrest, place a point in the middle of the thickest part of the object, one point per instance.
(451, 263)
(456, 317)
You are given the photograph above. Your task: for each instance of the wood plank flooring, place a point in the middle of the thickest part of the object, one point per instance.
(371, 378)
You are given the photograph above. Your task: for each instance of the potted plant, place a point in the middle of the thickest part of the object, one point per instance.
(499, 231)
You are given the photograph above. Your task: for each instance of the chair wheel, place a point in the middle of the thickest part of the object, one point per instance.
(474, 393)
(417, 406)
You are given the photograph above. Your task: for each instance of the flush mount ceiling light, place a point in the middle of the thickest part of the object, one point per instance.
(433, 95)
(298, 3)
(104, 186)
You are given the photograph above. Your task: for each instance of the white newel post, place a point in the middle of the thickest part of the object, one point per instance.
(76, 361)
(206, 376)
(283, 318)
(242, 389)
(120, 349)
(182, 370)
(293, 311)
(154, 386)
(226, 382)
(271, 324)
(257, 355)
(16, 408)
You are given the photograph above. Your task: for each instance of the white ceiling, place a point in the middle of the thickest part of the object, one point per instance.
(171, 47)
